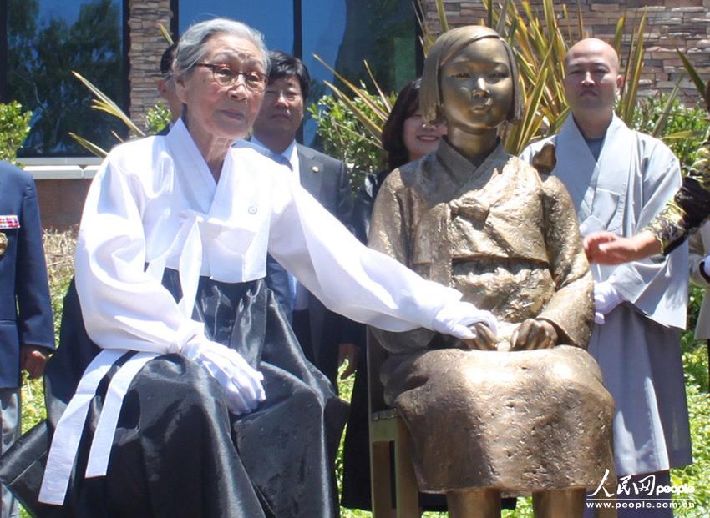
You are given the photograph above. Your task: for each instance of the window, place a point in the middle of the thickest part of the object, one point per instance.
(342, 32)
(274, 18)
(44, 41)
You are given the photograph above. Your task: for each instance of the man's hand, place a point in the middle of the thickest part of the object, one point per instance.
(32, 359)
(350, 353)
(608, 248)
(485, 339)
(534, 334)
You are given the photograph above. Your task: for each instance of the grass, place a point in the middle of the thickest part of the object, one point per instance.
(59, 248)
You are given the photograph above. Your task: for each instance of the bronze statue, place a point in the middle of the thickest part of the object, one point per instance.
(524, 410)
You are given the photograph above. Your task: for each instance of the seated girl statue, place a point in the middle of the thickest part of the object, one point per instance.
(522, 410)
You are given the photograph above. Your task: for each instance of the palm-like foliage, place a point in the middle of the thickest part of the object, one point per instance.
(372, 109)
(156, 119)
(103, 103)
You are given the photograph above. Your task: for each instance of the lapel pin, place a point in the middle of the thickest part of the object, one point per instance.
(315, 169)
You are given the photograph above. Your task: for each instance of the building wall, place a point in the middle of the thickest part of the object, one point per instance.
(682, 24)
(672, 24)
(146, 46)
(61, 202)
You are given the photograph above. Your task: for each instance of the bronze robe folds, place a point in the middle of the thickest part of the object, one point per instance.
(508, 240)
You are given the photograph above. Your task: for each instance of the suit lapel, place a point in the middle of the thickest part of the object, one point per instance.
(310, 171)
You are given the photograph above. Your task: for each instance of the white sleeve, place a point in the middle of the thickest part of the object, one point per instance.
(123, 307)
(353, 280)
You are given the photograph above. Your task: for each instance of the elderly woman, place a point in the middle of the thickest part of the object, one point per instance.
(192, 397)
(486, 420)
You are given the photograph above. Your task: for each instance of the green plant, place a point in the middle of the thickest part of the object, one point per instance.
(683, 128)
(702, 87)
(14, 128)
(697, 475)
(156, 118)
(346, 136)
(102, 102)
(540, 45)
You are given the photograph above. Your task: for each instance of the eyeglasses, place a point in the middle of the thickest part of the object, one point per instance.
(226, 77)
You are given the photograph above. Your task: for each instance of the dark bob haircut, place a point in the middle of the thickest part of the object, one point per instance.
(166, 60)
(404, 107)
(286, 65)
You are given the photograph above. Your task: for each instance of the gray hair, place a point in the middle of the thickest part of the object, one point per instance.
(191, 48)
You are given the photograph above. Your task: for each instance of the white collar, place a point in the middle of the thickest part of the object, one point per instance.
(290, 153)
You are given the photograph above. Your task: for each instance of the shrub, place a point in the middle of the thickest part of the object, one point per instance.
(14, 127)
(684, 128)
(343, 134)
(157, 118)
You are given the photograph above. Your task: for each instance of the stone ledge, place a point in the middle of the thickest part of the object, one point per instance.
(62, 172)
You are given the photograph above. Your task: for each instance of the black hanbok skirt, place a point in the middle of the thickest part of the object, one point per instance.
(177, 450)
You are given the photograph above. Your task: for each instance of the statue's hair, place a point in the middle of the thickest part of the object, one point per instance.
(445, 48)
(191, 48)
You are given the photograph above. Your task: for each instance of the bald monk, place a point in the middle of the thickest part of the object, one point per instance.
(619, 180)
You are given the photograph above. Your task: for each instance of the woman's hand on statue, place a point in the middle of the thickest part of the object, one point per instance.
(457, 319)
(485, 339)
(240, 381)
(534, 334)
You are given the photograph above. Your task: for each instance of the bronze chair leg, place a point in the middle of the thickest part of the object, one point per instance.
(477, 503)
(559, 502)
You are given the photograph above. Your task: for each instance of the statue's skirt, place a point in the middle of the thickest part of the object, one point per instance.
(518, 421)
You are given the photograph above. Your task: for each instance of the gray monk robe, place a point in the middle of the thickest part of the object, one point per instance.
(638, 347)
(507, 238)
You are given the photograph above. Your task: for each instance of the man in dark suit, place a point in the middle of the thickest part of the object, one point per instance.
(318, 330)
(26, 332)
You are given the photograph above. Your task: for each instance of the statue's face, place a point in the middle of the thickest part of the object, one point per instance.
(477, 87)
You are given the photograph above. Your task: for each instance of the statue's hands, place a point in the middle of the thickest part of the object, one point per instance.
(457, 319)
(485, 339)
(534, 334)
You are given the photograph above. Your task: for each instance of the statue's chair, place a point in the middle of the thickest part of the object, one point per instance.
(393, 482)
